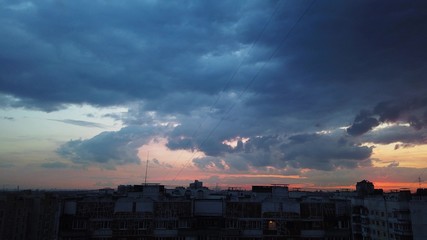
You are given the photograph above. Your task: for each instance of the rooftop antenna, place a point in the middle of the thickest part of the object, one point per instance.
(419, 180)
(146, 169)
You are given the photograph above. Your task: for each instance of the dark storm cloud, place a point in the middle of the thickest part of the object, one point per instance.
(394, 134)
(130, 51)
(362, 126)
(120, 52)
(323, 152)
(358, 54)
(210, 146)
(413, 112)
(303, 151)
(234, 68)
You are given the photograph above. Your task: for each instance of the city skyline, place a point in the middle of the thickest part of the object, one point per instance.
(315, 94)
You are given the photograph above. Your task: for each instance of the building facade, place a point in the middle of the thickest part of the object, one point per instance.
(150, 211)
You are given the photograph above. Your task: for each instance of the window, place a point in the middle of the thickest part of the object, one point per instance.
(183, 224)
(272, 225)
(143, 224)
(123, 225)
(232, 224)
(254, 225)
(78, 224)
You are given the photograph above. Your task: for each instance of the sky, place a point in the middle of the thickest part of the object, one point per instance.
(312, 93)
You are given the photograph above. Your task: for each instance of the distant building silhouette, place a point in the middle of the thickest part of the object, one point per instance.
(364, 188)
(29, 215)
(151, 211)
(196, 185)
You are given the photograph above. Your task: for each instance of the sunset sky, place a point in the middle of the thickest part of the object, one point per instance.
(315, 94)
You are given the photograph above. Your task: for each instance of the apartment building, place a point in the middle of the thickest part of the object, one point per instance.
(28, 215)
(151, 211)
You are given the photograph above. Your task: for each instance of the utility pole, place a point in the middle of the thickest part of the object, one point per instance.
(146, 170)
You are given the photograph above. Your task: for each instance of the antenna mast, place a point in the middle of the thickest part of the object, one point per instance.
(146, 170)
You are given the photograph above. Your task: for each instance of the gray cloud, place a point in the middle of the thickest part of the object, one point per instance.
(54, 165)
(79, 123)
(393, 164)
(157, 163)
(403, 145)
(108, 148)
(6, 164)
(206, 162)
